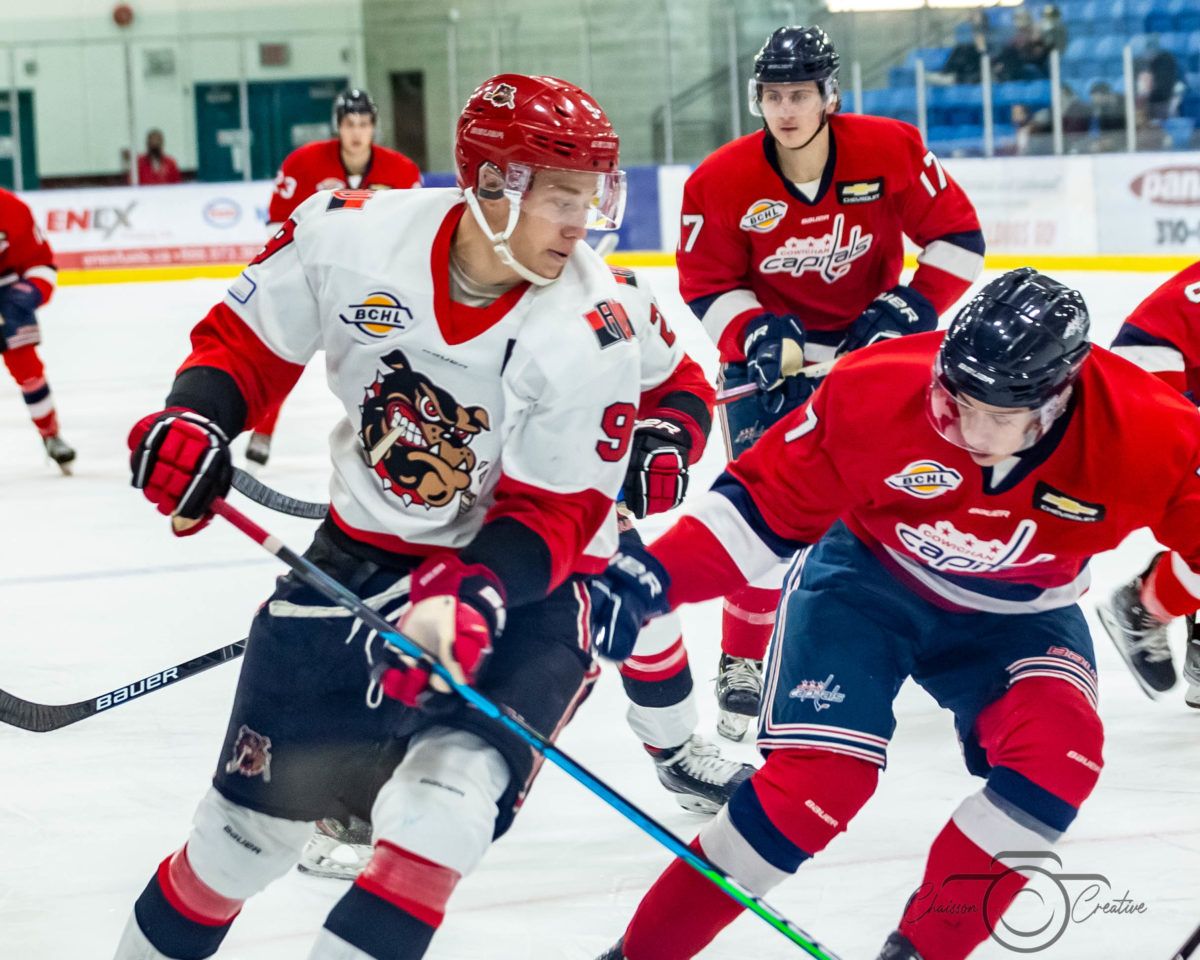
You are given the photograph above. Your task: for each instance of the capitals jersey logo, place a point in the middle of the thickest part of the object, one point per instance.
(827, 256)
(925, 479)
(377, 315)
(764, 216)
(943, 547)
(417, 437)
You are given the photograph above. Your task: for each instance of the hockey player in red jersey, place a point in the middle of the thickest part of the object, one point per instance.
(351, 159)
(27, 280)
(489, 402)
(954, 553)
(790, 250)
(1161, 335)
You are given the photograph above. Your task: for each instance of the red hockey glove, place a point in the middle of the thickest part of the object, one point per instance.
(456, 612)
(657, 477)
(181, 461)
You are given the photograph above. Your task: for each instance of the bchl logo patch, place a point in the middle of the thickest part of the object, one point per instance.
(1062, 505)
(925, 479)
(764, 216)
(860, 191)
(378, 315)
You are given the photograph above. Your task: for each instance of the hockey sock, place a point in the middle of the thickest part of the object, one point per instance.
(679, 915)
(394, 907)
(788, 811)
(659, 685)
(1043, 740)
(747, 619)
(945, 919)
(180, 915)
(26, 368)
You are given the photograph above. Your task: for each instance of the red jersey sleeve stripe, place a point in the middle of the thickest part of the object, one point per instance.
(565, 522)
(224, 341)
(687, 397)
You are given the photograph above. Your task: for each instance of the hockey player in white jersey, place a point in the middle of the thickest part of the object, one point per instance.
(674, 419)
(490, 380)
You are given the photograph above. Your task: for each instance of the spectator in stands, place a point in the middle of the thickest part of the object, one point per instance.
(1022, 123)
(1023, 57)
(1108, 109)
(1158, 81)
(156, 166)
(1052, 32)
(963, 63)
(1076, 119)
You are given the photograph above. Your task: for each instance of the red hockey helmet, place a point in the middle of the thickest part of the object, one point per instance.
(513, 125)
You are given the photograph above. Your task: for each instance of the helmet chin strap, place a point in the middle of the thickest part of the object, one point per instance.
(499, 241)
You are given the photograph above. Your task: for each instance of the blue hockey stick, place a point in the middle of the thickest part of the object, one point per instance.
(322, 582)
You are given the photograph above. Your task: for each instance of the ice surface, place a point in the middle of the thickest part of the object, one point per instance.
(95, 592)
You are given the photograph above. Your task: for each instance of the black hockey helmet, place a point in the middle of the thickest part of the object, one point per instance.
(794, 55)
(1019, 343)
(353, 100)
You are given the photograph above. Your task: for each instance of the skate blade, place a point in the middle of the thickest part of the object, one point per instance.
(66, 469)
(1192, 696)
(693, 804)
(733, 726)
(1116, 635)
(335, 872)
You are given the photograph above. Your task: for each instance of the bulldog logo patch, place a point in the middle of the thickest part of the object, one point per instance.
(417, 436)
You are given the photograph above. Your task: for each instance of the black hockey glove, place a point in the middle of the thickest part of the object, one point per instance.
(895, 313)
(180, 461)
(657, 477)
(774, 347)
(630, 593)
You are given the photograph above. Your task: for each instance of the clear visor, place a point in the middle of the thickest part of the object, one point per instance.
(572, 198)
(985, 430)
(799, 99)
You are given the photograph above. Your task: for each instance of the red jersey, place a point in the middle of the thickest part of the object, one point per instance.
(151, 173)
(318, 166)
(750, 241)
(1123, 456)
(24, 252)
(1162, 334)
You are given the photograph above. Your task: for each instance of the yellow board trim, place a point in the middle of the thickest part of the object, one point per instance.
(1148, 263)
(222, 271)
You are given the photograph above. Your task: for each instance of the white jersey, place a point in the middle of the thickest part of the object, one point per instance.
(454, 414)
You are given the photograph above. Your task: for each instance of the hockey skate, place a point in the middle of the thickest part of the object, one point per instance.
(898, 947)
(1140, 638)
(701, 779)
(61, 452)
(258, 450)
(1191, 665)
(337, 851)
(739, 694)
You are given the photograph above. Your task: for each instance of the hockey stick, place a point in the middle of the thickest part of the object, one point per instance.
(1189, 948)
(259, 492)
(733, 393)
(44, 717)
(323, 583)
